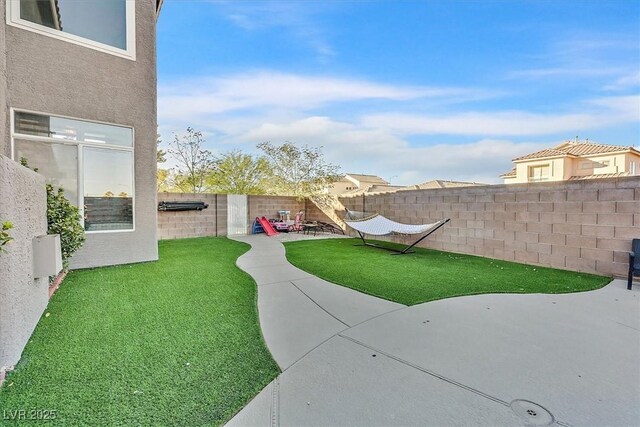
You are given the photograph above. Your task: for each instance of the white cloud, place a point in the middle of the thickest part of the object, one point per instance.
(369, 150)
(594, 114)
(272, 90)
(628, 81)
(566, 71)
(239, 111)
(299, 19)
(581, 55)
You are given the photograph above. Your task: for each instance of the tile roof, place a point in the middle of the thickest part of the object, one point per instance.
(590, 148)
(576, 149)
(374, 189)
(599, 176)
(441, 183)
(511, 173)
(367, 178)
(547, 152)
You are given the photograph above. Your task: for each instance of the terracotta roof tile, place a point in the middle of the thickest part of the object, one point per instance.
(509, 174)
(547, 152)
(576, 149)
(368, 178)
(582, 149)
(599, 176)
(441, 183)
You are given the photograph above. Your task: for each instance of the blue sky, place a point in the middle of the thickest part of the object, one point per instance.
(407, 90)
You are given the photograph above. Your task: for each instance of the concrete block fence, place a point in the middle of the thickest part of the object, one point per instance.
(577, 225)
(269, 206)
(182, 224)
(213, 220)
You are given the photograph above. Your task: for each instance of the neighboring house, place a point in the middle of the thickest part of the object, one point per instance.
(575, 161)
(354, 183)
(78, 101)
(374, 189)
(441, 183)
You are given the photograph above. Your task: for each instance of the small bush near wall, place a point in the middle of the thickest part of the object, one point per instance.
(5, 238)
(64, 219)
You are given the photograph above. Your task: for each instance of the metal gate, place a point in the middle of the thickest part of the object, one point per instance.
(236, 214)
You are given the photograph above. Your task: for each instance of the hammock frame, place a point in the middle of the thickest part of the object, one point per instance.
(406, 250)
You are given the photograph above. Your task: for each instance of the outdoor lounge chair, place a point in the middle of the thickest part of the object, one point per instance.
(378, 225)
(634, 261)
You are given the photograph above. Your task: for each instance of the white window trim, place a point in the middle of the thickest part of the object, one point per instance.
(531, 178)
(80, 145)
(13, 19)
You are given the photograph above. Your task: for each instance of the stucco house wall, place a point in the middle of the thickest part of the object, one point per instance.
(56, 77)
(23, 201)
(4, 114)
(560, 169)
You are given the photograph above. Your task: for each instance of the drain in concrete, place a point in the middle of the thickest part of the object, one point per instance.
(532, 413)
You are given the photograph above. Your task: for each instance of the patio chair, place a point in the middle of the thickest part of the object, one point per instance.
(634, 261)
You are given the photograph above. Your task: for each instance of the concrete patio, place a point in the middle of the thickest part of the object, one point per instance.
(500, 359)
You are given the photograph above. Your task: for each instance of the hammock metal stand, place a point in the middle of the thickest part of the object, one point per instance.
(378, 225)
(406, 250)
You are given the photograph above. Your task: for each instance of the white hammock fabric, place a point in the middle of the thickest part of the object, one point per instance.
(378, 225)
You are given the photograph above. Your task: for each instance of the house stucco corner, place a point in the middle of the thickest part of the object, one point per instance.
(53, 77)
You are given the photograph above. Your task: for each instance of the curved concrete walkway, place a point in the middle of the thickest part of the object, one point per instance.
(353, 359)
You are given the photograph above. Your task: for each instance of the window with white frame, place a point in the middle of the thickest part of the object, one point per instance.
(105, 25)
(92, 162)
(539, 172)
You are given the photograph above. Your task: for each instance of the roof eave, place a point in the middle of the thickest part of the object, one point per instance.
(158, 7)
(559, 156)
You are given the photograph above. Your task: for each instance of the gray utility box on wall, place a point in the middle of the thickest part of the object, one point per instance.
(47, 256)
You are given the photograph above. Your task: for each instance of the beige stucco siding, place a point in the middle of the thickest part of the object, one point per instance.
(557, 168)
(564, 168)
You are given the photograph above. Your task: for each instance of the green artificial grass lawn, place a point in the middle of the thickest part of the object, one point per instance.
(173, 342)
(428, 275)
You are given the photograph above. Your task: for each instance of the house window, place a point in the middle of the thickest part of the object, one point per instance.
(92, 162)
(539, 173)
(105, 25)
(586, 165)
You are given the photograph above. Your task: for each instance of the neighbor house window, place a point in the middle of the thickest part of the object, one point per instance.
(539, 173)
(92, 162)
(106, 25)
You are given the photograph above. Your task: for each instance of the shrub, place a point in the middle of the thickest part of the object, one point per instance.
(64, 219)
(5, 238)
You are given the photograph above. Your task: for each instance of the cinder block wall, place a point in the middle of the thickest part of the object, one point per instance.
(313, 213)
(182, 224)
(269, 206)
(582, 225)
(23, 201)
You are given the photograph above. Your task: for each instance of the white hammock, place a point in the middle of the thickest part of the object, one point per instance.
(378, 225)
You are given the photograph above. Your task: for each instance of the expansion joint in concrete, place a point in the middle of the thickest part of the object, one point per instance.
(319, 306)
(427, 371)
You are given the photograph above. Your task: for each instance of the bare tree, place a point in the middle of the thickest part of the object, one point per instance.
(194, 163)
(299, 171)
